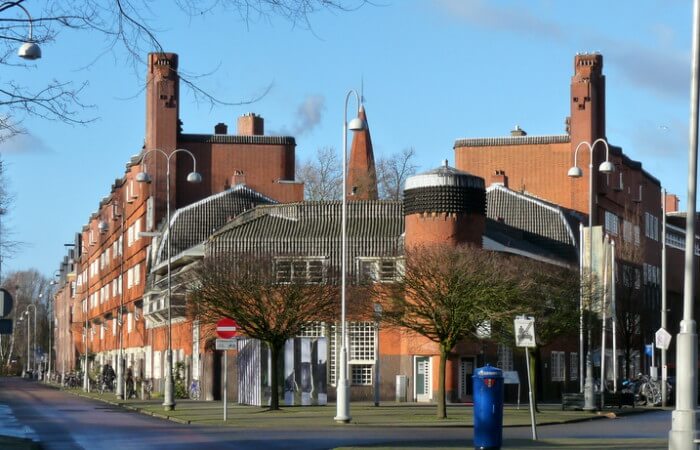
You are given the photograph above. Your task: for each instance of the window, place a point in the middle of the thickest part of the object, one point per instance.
(296, 270)
(611, 223)
(130, 278)
(380, 270)
(130, 236)
(636, 235)
(114, 327)
(129, 322)
(149, 214)
(102, 331)
(361, 374)
(573, 366)
(558, 363)
(362, 351)
(627, 231)
(637, 278)
(651, 226)
(675, 240)
(361, 336)
(505, 358)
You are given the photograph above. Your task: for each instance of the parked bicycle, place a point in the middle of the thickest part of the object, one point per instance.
(646, 390)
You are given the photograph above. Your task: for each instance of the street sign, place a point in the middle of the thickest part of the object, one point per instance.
(663, 339)
(227, 328)
(5, 326)
(6, 303)
(525, 331)
(226, 344)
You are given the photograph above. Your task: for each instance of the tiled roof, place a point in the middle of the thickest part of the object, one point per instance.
(194, 223)
(512, 140)
(375, 228)
(236, 139)
(541, 224)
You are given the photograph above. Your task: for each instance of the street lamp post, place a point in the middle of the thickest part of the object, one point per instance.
(576, 172)
(192, 177)
(342, 399)
(29, 50)
(104, 227)
(26, 313)
(684, 419)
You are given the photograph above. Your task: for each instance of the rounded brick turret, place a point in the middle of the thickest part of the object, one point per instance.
(444, 205)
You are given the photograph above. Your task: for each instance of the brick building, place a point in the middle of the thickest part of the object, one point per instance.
(531, 208)
(627, 203)
(105, 283)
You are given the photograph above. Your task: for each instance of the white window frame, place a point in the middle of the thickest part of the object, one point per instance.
(557, 361)
(302, 269)
(379, 269)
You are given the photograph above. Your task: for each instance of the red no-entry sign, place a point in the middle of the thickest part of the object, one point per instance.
(227, 328)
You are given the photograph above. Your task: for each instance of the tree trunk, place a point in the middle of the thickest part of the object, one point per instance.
(274, 376)
(441, 404)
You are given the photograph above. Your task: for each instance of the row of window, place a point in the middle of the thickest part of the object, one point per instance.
(314, 269)
(114, 325)
(630, 231)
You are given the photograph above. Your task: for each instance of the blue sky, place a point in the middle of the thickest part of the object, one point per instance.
(433, 71)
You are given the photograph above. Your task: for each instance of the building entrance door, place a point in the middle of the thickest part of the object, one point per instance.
(422, 376)
(466, 370)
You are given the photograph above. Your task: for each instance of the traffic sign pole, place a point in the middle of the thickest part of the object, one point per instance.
(226, 329)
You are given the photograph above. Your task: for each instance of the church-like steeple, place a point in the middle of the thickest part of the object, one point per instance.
(362, 175)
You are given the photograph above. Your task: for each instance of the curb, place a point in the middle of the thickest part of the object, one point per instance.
(592, 417)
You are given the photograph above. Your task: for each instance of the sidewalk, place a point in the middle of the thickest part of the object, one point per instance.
(388, 414)
(545, 444)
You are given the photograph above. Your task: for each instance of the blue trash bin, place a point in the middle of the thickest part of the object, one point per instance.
(488, 408)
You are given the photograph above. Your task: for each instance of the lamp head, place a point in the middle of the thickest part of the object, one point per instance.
(357, 124)
(29, 51)
(143, 177)
(194, 177)
(606, 167)
(575, 172)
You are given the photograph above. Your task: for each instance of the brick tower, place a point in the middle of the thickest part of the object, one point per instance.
(362, 175)
(162, 121)
(444, 205)
(587, 122)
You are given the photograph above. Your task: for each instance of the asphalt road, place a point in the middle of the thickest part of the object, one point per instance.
(64, 421)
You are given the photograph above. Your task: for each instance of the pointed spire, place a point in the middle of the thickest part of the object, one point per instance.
(362, 175)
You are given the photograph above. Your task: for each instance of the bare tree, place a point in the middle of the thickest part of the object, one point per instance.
(129, 31)
(322, 175)
(27, 287)
(446, 293)
(247, 288)
(392, 172)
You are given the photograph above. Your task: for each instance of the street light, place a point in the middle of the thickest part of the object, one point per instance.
(29, 50)
(576, 172)
(684, 419)
(103, 226)
(192, 177)
(26, 313)
(342, 399)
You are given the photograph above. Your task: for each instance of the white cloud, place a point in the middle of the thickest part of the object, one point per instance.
(308, 116)
(23, 143)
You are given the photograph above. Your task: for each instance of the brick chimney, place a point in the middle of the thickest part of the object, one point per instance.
(517, 131)
(251, 124)
(238, 178)
(499, 177)
(671, 203)
(220, 128)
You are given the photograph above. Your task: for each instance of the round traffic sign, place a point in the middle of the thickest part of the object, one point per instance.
(227, 328)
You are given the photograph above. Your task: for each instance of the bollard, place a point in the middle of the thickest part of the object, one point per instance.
(488, 408)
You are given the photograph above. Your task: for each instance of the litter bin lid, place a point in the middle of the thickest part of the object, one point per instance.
(488, 371)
